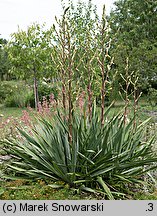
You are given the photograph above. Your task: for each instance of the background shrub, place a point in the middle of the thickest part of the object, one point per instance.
(16, 94)
(6, 89)
(44, 90)
(152, 96)
(19, 94)
(20, 98)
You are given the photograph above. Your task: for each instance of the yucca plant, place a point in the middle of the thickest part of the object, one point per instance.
(100, 159)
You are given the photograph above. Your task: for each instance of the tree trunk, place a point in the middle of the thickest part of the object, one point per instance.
(36, 95)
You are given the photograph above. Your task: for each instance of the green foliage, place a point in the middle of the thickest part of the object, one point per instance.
(44, 91)
(4, 61)
(6, 89)
(152, 96)
(99, 159)
(30, 54)
(29, 51)
(15, 94)
(134, 35)
(19, 98)
(19, 94)
(134, 25)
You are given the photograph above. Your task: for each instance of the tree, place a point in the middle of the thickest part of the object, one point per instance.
(4, 61)
(29, 52)
(136, 20)
(135, 33)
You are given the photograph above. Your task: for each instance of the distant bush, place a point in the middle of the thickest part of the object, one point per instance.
(19, 94)
(44, 90)
(152, 96)
(7, 88)
(15, 94)
(20, 98)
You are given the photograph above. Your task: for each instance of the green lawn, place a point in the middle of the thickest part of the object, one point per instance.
(6, 112)
(40, 190)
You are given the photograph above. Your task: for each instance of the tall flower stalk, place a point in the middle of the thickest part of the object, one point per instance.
(89, 71)
(127, 84)
(59, 56)
(126, 95)
(64, 59)
(104, 60)
(70, 77)
(136, 96)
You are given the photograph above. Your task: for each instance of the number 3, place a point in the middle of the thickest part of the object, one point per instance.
(150, 206)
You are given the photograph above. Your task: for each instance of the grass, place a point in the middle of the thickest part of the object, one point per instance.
(6, 112)
(25, 190)
(39, 190)
(146, 196)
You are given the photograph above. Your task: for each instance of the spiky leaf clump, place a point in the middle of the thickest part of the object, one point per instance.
(102, 159)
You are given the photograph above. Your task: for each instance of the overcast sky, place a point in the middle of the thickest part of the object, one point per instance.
(25, 12)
